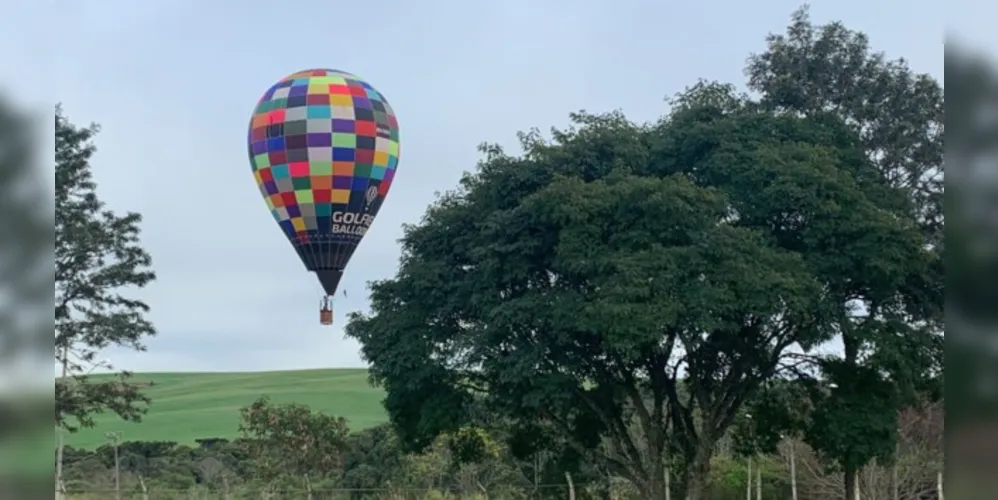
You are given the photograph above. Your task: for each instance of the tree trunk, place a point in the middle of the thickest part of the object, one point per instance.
(793, 470)
(145, 490)
(653, 484)
(895, 487)
(697, 476)
(117, 472)
(748, 479)
(851, 346)
(851, 485)
(758, 482)
(668, 485)
(58, 464)
(537, 473)
(571, 486)
(60, 488)
(656, 487)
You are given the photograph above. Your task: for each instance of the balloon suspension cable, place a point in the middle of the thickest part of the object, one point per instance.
(326, 310)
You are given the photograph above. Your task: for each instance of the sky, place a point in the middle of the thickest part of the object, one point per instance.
(172, 84)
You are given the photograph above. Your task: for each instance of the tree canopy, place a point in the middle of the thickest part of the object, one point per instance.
(632, 284)
(293, 439)
(99, 261)
(892, 336)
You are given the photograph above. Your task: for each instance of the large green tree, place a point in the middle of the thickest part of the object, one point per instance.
(99, 261)
(630, 286)
(890, 330)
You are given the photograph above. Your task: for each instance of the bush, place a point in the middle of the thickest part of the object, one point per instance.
(729, 478)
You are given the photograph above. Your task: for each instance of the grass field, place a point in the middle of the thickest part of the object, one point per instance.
(187, 406)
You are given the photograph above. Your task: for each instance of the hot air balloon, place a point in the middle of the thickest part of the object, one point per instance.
(324, 146)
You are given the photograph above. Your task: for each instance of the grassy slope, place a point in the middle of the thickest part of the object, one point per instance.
(187, 406)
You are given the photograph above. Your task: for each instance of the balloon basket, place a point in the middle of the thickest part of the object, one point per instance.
(326, 311)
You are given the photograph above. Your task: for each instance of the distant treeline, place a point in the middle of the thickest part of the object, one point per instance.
(331, 462)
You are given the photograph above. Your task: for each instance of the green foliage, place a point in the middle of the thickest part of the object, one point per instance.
(293, 438)
(780, 408)
(856, 420)
(97, 256)
(471, 445)
(564, 284)
(889, 303)
(374, 458)
(374, 465)
(730, 478)
(898, 113)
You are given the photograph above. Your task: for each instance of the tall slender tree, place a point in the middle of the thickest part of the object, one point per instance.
(98, 261)
(891, 333)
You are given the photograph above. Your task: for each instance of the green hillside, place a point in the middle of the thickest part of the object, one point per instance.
(187, 406)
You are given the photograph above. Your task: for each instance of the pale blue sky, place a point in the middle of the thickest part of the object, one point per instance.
(173, 82)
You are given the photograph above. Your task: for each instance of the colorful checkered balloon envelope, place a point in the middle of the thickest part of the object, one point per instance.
(324, 146)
